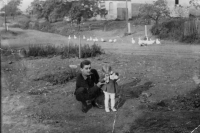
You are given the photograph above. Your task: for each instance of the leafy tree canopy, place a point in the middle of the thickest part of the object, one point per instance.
(12, 7)
(60, 8)
(195, 3)
(155, 11)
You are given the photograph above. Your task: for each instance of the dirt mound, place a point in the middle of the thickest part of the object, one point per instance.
(181, 114)
(188, 102)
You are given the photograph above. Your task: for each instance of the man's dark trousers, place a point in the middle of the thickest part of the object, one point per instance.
(94, 95)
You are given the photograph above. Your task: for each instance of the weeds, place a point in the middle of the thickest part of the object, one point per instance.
(6, 51)
(60, 77)
(64, 51)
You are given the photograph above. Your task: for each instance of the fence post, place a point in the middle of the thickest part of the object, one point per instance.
(79, 46)
(68, 46)
(146, 31)
(129, 28)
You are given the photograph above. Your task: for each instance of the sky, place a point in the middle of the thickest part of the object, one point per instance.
(25, 4)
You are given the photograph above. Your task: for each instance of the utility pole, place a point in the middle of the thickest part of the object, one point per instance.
(5, 15)
(127, 17)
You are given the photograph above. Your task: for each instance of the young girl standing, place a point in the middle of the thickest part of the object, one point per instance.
(110, 87)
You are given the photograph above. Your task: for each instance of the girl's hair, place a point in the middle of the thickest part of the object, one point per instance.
(106, 69)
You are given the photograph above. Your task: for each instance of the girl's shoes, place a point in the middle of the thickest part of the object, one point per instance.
(113, 109)
(107, 110)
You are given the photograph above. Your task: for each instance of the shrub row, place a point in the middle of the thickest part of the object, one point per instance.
(173, 29)
(64, 51)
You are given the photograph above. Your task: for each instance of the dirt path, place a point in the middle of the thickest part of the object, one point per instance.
(123, 44)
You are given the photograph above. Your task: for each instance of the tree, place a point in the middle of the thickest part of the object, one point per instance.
(37, 7)
(195, 3)
(50, 9)
(85, 9)
(155, 11)
(12, 8)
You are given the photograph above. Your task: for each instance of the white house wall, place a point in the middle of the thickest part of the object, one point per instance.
(117, 4)
(171, 3)
(122, 4)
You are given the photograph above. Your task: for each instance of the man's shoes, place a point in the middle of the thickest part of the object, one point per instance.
(88, 102)
(99, 106)
(84, 110)
(86, 107)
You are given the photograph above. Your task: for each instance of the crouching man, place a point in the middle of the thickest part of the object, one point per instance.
(88, 90)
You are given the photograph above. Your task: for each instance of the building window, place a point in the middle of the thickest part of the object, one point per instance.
(111, 10)
(176, 2)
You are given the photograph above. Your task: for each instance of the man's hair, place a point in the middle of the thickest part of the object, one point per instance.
(85, 62)
(106, 69)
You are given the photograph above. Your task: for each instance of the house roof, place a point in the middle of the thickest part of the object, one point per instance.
(116, 0)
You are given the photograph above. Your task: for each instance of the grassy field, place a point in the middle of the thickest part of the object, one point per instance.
(159, 87)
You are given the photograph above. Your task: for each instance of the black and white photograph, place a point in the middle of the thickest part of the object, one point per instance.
(100, 66)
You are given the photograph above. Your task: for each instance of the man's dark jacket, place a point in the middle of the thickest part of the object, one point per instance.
(88, 83)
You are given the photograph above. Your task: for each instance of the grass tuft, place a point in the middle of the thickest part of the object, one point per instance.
(60, 77)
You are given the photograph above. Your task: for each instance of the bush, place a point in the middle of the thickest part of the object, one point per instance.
(171, 29)
(174, 30)
(5, 51)
(193, 38)
(45, 26)
(24, 22)
(64, 51)
(15, 26)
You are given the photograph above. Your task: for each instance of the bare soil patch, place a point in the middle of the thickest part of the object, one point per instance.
(54, 108)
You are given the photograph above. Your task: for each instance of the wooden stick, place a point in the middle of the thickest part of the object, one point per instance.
(115, 116)
(195, 129)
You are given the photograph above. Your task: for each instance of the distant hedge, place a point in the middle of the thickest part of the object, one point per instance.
(174, 29)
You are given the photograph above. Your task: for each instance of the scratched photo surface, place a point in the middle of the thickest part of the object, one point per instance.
(150, 47)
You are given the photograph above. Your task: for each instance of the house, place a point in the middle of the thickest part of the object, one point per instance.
(118, 8)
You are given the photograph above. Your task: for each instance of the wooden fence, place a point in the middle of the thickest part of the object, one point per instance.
(192, 27)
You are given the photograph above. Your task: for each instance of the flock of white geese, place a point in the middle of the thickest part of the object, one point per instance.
(140, 41)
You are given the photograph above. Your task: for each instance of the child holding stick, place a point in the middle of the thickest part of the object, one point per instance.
(110, 88)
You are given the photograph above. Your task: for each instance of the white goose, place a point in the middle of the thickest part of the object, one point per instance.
(90, 38)
(75, 37)
(157, 41)
(84, 37)
(110, 40)
(150, 42)
(133, 41)
(69, 37)
(97, 39)
(114, 40)
(141, 42)
(102, 40)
